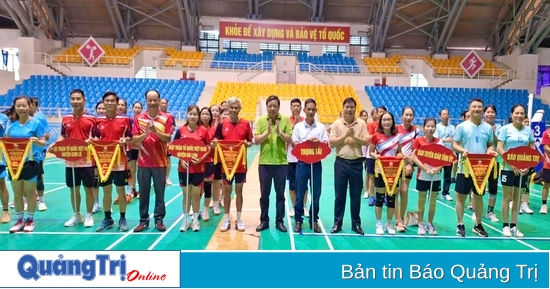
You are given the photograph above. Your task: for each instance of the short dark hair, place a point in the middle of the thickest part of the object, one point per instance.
(310, 100)
(295, 100)
(109, 93)
(78, 90)
(441, 111)
(477, 99)
(350, 100)
(272, 98)
(34, 101)
(492, 106)
(405, 108)
(428, 120)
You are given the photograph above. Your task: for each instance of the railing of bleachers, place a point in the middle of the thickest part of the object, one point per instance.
(105, 61)
(44, 59)
(210, 65)
(251, 72)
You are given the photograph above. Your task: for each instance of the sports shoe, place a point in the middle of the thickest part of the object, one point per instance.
(379, 229)
(446, 197)
(239, 226)
(461, 230)
(291, 213)
(105, 224)
(205, 216)
(74, 220)
(42, 206)
(168, 182)
(88, 221)
(96, 208)
(123, 225)
(491, 217)
(211, 204)
(306, 212)
(196, 226)
(5, 217)
(506, 232)
(18, 226)
(366, 195)
(516, 232)
(390, 229)
(400, 226)
(421, 229)
(478, 229)
(525, 208)
(225, 226)
(216, 210)
(372, 201)
(431, 229)
(29, 226)
(184, 225)
(543, 209)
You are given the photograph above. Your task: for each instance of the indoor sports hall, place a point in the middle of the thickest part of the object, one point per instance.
(430, 55)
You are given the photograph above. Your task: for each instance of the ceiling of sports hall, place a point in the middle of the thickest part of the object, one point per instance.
(422, 24)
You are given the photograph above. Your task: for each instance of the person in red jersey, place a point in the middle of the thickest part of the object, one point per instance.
(164, 108)
(207, 123)
(192, 187)
(370, 162)
(79, 125)
(234, 128)
(153, 131)
(114, 127)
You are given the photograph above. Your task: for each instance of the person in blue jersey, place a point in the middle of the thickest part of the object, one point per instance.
(445, 131)
(40, 182)
(22, 125)
(4, 194)
(511, 136)
(476, 137)
(489, 115)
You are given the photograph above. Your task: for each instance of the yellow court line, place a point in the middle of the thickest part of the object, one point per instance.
(249, 239)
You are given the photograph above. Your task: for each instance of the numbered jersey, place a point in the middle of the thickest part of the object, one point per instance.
(473, 138)
(513, 138)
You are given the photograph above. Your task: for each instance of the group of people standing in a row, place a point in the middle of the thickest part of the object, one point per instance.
(357, 143)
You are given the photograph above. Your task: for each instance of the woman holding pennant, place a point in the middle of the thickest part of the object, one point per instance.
(385, 143)
(511, 136)
(114, 131)
(23, 179)
(428, 178)
(191, 174)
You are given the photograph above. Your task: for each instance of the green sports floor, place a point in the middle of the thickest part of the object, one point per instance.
(50, 234)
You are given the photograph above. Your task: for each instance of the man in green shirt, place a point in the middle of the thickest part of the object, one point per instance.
(273, 133)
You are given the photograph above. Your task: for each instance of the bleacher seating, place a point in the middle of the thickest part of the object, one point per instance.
(240, 59)
(329, 98)
(119, 56)
(185, 58)
(428, 101)
(452, 66)
(384, 65)
(53, 91)
(331, 63)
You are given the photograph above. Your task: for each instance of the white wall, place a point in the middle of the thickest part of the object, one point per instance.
(7, 81)
(10, 38)
(544, 56)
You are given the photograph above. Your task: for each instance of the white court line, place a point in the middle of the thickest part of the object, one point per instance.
(132, 230)
(323, 231)
(422, 237)
(290, 229)
(157, 241)
(76, 233)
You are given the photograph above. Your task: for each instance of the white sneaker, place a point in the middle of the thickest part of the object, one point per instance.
(421, 229)
(184, 225)
(506, 232)
(526, 209)
(29, 226)
(42, 206)
(211, 204)
(168, 182)
(11, 205)
(88, 221)
(446, 197)
(390, 229)
(196, 226)
(225, 226)
(366, 195)
(18, 226)
(516, 232)
(306, 212)
(491, 217)
(216, 210)
(470, 207)
(291, 213)
(543, 209)
(96, 208)
(379, 229)
(205, 216)
(431, 229)
(74, 220)
(239, 226)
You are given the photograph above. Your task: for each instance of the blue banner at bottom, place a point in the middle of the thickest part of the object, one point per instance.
(365, 270)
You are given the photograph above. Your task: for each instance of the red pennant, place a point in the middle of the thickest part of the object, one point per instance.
(311, 152)
(435, 155)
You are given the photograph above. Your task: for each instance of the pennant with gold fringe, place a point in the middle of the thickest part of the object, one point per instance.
(15, 151)
(391, 169)
(230, 153)
(480, 167)
(106, 154)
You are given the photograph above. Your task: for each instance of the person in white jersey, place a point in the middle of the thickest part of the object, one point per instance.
(511, 136)
(476, 137)
(295, 108)
(445, 131)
